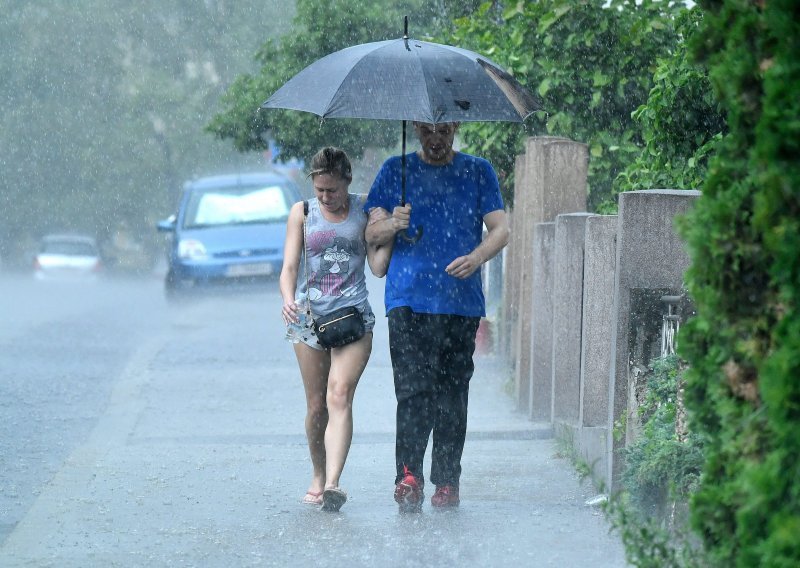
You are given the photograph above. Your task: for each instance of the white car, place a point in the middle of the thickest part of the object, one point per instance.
(67, 257)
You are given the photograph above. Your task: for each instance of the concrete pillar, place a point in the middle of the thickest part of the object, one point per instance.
(567, 318)
(541, 392)
(598, 295)
(553, 181)
(511, 280)
(599, 261)
(650, 255)
(492, 278)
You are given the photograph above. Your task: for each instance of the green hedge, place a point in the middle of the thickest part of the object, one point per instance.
(743, 389)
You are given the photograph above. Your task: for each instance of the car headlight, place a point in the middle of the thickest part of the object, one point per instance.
(191, 249)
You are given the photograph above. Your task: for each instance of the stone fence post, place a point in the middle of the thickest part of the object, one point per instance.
(598, 301)
(541, 395)
(552, 181)
(567, 322)
(651, 260)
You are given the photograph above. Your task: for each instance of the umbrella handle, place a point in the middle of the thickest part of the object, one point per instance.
(406, 237)
(412, 238)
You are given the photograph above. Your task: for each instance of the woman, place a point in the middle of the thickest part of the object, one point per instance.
(329, 278)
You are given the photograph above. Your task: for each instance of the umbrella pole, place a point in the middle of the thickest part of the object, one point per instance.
(403, 168)
(405, 235)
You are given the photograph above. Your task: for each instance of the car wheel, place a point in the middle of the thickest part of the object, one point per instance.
(176, 289)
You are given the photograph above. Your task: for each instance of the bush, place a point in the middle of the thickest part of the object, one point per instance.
(744, 344)
(662, 467)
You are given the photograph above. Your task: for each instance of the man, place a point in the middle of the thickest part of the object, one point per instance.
(434, 300)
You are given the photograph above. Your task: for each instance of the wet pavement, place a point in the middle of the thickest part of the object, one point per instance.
(199, 459)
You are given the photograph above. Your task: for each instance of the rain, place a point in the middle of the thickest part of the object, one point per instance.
(153, 155)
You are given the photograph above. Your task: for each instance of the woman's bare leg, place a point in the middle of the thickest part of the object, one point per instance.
(347, 365)
(314, 367)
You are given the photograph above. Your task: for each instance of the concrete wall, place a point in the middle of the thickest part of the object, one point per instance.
(598, 293)
(575, 279)
(589, 272)
(552, 179)
(567, 316)
(541, 392)
(511, 282)
(650, 255)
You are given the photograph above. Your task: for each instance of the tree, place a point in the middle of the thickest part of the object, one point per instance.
(681, 122)
(319, 28)
(591, 64)
(103, 105)
(744, 343)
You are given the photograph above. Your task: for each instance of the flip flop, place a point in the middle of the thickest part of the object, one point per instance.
(313, 498)
(333, 498)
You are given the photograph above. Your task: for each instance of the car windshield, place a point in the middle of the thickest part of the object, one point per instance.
(69, 248)
(236, 205)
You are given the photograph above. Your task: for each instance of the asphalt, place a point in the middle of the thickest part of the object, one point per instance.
(201, 461)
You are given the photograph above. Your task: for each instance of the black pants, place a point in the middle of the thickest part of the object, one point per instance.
(432, 361)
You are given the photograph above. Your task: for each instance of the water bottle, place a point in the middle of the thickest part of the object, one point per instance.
(297, 331)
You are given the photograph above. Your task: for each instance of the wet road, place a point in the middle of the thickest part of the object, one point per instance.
(137, 433)
(62, 348)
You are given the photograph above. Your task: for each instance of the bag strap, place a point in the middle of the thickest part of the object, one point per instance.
(305, 258)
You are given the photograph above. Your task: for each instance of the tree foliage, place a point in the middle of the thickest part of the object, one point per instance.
(744, 237)
(591, 63)
(103, 104)
(681, 122)
(319, 28)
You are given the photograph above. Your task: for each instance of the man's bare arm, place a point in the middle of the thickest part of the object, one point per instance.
(496, 238)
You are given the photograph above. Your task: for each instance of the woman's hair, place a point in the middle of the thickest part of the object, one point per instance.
(331, 161)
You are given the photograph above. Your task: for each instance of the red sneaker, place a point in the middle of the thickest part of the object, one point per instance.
(408, 492)
(445, 496)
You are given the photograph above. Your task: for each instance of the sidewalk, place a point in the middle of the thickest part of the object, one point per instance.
(202, 461)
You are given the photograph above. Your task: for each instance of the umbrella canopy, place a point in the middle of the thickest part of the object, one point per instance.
(406, 79)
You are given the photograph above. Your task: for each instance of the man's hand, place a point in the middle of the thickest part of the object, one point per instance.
(401, 217)
(464, 266)
(382, 227)
(494, 241)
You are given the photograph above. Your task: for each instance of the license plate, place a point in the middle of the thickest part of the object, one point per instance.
(255, 269)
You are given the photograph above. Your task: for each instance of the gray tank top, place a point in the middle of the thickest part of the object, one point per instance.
(336, 257)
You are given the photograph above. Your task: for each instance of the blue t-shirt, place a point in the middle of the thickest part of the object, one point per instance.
(449, 202)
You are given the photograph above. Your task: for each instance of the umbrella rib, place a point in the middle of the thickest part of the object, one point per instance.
(506, 83)
(421, 70)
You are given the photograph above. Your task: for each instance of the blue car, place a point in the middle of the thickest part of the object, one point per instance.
(228, 228)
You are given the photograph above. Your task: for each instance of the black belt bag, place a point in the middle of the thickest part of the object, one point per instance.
(339, 328)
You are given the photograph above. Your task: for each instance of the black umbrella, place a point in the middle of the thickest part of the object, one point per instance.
(406, 79)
